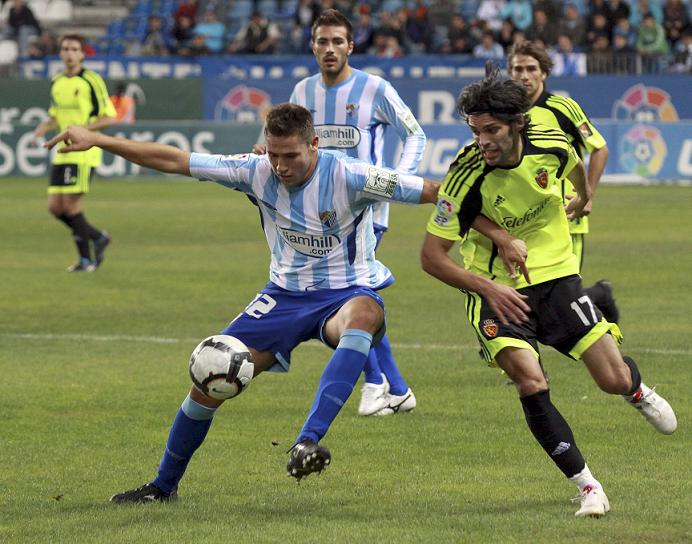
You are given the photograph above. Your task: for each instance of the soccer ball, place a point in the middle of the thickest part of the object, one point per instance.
(221, 367)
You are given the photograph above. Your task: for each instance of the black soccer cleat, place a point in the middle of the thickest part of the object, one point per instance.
(306, 458)
(145, 494)
(100, 246)
(82, 265)
(606, 302)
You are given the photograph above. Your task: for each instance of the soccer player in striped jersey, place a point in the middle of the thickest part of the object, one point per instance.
(78, 97)
(316, 209)
(513, 175)
(352, 110)
(529, 64)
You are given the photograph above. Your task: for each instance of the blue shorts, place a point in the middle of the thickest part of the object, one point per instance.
(278, 320)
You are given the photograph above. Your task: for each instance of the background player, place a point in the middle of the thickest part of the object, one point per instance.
(352, 110)
(78, 97)
(329, 295)
(529, 64)
(513, 174)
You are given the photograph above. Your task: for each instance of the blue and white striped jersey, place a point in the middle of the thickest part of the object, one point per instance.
(351, 116)
(320, 234)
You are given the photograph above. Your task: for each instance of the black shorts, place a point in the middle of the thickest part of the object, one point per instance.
(70, 178)
(561, 316)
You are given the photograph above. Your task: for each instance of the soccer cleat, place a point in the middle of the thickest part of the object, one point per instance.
(100, 246)
(307, 457)
(144, 494)
(82, 265)
(594, 502)
(373, 397)
(606, 302)
(398, 404)
(655, 409)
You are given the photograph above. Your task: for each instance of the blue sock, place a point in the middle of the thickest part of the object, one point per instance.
(187, 433)
(337, 382)
(372, 371)
(397, 384)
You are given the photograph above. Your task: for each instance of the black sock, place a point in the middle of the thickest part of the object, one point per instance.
(552, 432)
(80, 234)
(93, 232)
(636, 377)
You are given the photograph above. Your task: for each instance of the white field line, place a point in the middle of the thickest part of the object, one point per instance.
(313, 343)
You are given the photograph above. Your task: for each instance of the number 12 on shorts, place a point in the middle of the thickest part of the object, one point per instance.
(584, 301)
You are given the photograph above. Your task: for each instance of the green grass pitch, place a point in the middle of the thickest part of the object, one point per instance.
(94, 368)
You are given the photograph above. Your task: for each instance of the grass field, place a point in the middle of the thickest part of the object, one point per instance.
(94, 368)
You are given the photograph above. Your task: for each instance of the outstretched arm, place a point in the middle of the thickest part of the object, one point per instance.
(164, 158)
(575, 207)
(507, 303)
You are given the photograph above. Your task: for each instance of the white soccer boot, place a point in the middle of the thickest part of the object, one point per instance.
(398, 404)
(655, 409)
(594, 502)
(374, 397)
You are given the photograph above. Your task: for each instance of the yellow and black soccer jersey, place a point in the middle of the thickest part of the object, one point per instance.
(79, 100)
(564, 113)
(526, 200)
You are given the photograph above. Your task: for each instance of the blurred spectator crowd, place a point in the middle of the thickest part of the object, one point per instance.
(620, 36)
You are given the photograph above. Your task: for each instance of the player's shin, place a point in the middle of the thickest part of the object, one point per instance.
(552, 432)
(187, 433)
(636, 377)
(372, 371)
(337, 382)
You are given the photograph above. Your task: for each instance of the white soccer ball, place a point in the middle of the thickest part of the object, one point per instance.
(221, 367)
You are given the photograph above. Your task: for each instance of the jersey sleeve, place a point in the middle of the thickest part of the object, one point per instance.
(393, 111)
(104, 105)
(458, 201)
(589, 137)
(232, 171)
(378, 184)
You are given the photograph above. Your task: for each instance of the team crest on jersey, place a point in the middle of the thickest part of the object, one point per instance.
(585, 131)
(328, 217)
(490, 328)
(542, 178)
(238, 156)
(381, 182)
(351, 108)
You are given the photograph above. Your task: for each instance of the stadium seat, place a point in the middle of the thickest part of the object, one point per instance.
(8, 51)
(59, 10)
(39, 8)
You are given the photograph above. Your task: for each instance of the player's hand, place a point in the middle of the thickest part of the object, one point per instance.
(259, 149)
(513, 253)
(75, 139)
(576, 207)
(508, 304)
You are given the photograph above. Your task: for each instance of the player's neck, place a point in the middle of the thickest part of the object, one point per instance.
(537, 95)
(343, 75)
(73, 71)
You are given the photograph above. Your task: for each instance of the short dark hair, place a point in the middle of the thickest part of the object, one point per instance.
(74, 37)
(332, 17)
(288, 119)
(500, 97)
(531, 49)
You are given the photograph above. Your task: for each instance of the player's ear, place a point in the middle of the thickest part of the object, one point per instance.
(314, 144)
(351, 45)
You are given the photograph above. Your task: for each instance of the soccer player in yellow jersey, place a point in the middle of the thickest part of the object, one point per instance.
(529, 64)
(78, 97)
(512, 174)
